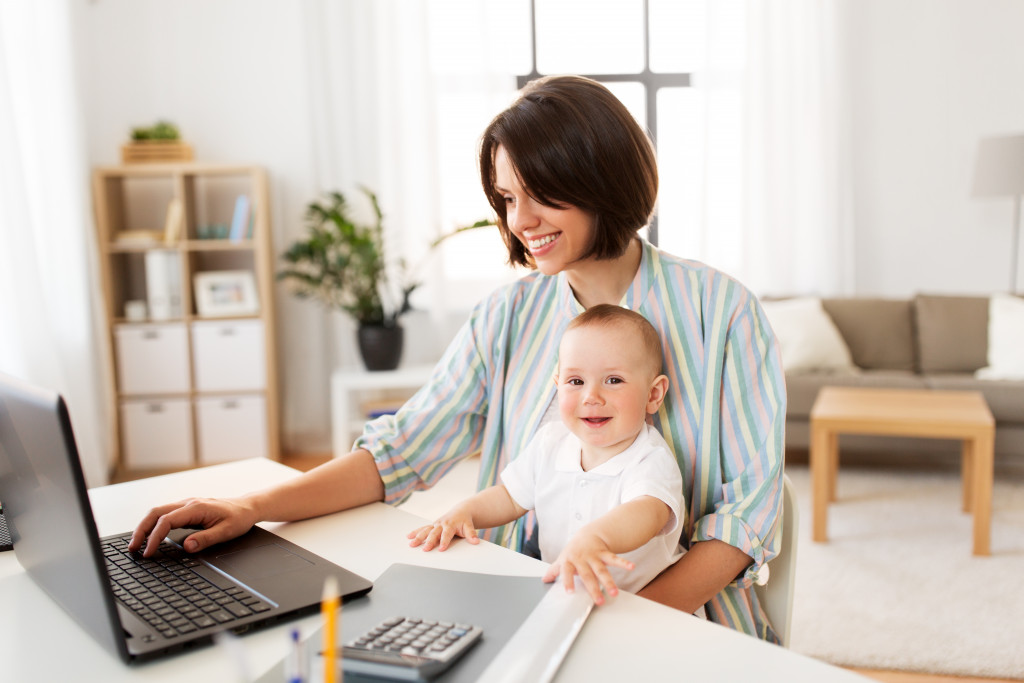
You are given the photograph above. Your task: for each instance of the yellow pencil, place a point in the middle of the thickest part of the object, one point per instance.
(330, 607)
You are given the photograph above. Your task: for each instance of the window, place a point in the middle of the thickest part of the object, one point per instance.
(650, 53)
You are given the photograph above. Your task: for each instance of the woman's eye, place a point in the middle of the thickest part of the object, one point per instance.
(510, 200)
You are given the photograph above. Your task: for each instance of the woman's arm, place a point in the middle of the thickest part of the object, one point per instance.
(699, 575)
(346, 482)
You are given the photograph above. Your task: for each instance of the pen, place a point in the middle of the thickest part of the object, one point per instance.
(330, 606)
(294, 672)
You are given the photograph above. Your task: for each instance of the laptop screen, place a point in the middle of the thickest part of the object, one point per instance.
(55, 533)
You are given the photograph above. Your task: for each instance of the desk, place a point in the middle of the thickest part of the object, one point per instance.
(961, 415)
(628, 639)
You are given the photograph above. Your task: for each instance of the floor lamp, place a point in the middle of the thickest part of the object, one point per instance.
(999, 172)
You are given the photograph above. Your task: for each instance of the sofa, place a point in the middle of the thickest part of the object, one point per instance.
(924, 342)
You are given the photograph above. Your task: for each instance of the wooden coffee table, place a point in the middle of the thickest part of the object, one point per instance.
(961, 415)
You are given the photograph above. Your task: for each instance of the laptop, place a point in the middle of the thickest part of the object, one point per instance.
(137, 608)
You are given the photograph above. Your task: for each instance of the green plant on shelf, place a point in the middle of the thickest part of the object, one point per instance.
(161, 130)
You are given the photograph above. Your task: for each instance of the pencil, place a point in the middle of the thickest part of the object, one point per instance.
(330, 606)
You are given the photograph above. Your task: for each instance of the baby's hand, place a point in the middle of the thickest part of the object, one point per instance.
(440, 533)
(587, 556)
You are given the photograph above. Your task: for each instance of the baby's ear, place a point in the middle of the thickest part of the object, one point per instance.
(659, 387)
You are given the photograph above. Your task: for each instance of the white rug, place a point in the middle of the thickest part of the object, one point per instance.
(896, 587)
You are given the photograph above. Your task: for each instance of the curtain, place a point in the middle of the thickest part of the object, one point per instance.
(797, 222)
(49, 296)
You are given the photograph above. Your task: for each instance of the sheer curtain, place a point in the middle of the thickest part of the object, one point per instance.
(760, 184)
(797, 221)
(48, 294)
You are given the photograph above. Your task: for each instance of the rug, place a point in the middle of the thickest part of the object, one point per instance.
(896, 587)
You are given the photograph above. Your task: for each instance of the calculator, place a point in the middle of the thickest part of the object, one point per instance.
(408, 648)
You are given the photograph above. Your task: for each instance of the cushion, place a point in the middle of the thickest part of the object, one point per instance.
(807, 336)
(952, 332)
(1005, 338)
(878, 332)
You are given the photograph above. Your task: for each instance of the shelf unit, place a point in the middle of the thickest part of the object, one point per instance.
(189, 389)
(348, 386)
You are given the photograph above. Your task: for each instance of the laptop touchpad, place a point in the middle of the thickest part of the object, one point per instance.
(260, 562)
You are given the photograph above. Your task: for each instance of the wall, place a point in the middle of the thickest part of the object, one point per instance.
(927, 79)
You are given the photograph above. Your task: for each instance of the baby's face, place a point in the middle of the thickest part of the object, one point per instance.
(604, 386)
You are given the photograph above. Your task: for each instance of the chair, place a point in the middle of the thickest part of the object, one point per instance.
(776, 596)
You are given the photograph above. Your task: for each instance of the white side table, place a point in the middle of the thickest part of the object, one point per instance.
(346, 422)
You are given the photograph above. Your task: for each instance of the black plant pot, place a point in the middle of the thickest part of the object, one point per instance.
(381, 346)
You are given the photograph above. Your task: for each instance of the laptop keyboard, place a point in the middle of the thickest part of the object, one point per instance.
(175, 593)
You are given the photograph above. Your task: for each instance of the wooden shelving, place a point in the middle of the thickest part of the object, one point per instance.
(191, 385)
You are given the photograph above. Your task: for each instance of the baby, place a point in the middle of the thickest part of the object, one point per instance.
(604, 484)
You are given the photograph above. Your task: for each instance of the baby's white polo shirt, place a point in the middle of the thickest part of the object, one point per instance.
(547, 477)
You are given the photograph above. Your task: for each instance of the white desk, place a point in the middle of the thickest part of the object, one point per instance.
(628, 639)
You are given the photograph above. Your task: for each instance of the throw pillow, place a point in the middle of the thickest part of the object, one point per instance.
(807, 336)
(1005, 338)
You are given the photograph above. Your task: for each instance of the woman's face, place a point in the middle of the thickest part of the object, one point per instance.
(554, 237)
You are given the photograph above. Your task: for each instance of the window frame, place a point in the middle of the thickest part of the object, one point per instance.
(651, 81)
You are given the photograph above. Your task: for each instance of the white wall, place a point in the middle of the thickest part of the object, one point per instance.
(927, 79)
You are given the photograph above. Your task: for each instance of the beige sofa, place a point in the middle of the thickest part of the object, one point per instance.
(926, 342)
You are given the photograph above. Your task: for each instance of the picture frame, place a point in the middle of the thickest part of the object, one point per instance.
(225, 293)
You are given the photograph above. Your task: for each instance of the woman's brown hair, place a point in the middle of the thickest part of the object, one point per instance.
(571, 141)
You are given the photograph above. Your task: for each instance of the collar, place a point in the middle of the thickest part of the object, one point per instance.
(568, 455)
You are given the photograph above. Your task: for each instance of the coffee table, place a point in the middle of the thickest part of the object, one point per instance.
(961, 415)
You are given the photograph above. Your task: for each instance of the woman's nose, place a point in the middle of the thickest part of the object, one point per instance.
(523, 216)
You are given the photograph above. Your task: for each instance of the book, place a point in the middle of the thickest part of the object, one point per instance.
(163, 284)
(174, 222)
(240, 220)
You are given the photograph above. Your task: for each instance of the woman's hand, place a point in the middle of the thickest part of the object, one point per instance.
(456, 522)
(587, 555)
(219, 519)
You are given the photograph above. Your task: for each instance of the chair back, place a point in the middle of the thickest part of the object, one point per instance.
(776, 596)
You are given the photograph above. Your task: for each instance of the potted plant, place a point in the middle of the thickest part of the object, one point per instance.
(344, 265)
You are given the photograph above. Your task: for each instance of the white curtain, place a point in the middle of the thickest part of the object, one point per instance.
(48, 294)
(797, 223)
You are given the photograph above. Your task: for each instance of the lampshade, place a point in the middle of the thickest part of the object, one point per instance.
(999, 167)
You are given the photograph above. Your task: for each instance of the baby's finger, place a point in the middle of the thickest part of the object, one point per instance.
(418, 535)
(447, 534)
(590, 582)
(604, 578)
(430, 542)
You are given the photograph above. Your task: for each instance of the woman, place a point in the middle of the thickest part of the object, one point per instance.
(572, 178)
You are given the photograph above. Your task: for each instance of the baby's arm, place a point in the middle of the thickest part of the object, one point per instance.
(491, 507)
(595, 546)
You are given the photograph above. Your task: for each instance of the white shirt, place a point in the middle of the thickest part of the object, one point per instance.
(547, 477)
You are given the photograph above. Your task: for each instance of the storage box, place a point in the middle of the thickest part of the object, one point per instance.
(152, 359)
(157, 434)
(231, 428)
(229, 355)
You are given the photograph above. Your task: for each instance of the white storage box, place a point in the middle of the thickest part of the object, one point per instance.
(152, 359)
(229, 355)
(157, 434)
(231, 428)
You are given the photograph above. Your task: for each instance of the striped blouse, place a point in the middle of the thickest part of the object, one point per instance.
(724, 414)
